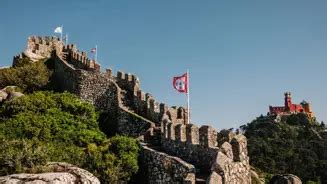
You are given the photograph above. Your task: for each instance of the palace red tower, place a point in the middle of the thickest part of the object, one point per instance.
(290, 108)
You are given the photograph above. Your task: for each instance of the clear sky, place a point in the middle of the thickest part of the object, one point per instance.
(242, 55)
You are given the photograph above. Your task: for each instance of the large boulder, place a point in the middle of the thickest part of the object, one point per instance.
(285, 179)
(9, 93)
(58, 173)
(214, 178)
(14, 94)
(39, 178)
(3, 95)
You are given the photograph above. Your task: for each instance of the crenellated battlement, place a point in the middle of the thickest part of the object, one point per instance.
(80, 59)
(199, 146)
(43, 45)
(39, 47)
(129, 82)
(205, 136)
(147, 106)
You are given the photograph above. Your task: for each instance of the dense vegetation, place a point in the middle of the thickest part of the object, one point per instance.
(26, 75)
(46, 126)
(296, 145)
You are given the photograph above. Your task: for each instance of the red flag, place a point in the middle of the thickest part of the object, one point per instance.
(93, 50)
(180, 83)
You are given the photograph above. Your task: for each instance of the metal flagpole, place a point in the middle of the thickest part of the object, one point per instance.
(62, 30)
(67, 39)
(96, 53)
(188, 97)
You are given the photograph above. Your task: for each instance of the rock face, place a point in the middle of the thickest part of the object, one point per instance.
(3, 95)
(9, 93)
(39, 178)
(285, 179)
(61, 173)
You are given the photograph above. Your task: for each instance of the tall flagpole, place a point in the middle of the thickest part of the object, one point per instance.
(67, 39)
(96, 53)
(62, 30)
(188, 97)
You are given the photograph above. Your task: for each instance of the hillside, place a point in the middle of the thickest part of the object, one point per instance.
(42, 126)
(291, 144)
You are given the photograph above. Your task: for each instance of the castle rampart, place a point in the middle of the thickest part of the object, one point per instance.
(80, 59)
(199, 146)
(184, 141)
(222, 155)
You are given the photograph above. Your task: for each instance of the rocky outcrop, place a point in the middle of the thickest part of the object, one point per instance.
(59, 173)
(9, 93)
(3, 95)
(39, 178)
(285, 179)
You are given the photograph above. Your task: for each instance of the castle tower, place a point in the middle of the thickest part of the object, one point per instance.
(288, 101)
(307, 108)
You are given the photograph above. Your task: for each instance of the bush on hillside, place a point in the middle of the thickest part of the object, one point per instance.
(26, 75)
(59, 127)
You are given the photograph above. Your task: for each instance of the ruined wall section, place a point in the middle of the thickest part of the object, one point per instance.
(159, 167)
(199, 146)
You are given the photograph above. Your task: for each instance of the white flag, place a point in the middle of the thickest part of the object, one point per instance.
(58, 30)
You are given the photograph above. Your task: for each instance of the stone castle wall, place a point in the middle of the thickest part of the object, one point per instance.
(221, 155)
(132, 125)
(80, 59)
(147, 106)
(65, 77)
(194, 145)
(199, 146)
(42, 45)
(232, 162)
(159, 167)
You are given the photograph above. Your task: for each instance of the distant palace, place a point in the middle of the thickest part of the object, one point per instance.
(290, 108)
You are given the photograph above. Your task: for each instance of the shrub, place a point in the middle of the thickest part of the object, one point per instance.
(59, 127)
(26, 75)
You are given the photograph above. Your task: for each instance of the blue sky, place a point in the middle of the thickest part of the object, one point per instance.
(242, 55)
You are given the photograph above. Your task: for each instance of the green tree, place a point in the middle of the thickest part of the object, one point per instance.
(27, 75)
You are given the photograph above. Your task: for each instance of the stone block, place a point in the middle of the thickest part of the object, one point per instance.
(192, 134)
(208, 136)
(171, 131)
(214, 178)
(180, 132)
